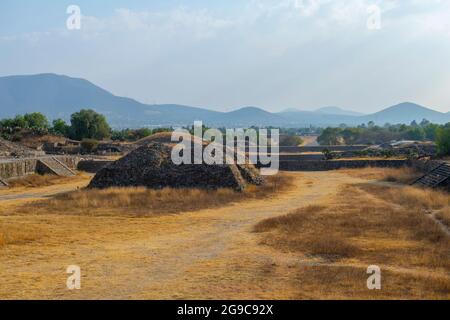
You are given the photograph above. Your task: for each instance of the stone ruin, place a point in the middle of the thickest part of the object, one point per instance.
(151, 166)
(10, 149)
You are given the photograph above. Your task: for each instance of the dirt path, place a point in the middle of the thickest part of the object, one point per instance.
(39, 194)
(204, 254)
(23, 193)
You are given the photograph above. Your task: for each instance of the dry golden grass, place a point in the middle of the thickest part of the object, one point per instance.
(444, 216)
(368, 224)
(411, 197)
(404, 175)
(37, 181)
(143, 201)
(318, 252)
(427, 201)
(15, 234)
(34, 181)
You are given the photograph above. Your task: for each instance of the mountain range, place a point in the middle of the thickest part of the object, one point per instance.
(58, 96)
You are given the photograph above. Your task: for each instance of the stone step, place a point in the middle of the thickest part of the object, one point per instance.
(57, 167)
(3, 183)
(435, 177)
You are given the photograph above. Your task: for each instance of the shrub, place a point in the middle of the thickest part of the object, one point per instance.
(443, 140)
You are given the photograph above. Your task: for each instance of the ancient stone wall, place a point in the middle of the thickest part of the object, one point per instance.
(16, 168)
(339, 164)
(290, 149)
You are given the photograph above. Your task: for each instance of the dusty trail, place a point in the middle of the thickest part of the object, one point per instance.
(204, 254)
(37, 195)
(44, 191)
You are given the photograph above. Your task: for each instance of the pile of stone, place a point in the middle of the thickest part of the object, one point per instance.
(11, 149)
(412, 149)
(151, 166)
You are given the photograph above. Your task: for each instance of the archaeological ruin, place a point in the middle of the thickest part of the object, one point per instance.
(151, 166)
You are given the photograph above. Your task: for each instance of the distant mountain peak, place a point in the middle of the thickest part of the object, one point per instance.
(408, 104)
(408, 107)
(406, 112)
(58, 96)
(250, 109)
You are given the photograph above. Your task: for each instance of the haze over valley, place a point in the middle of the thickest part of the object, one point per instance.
(58, 96)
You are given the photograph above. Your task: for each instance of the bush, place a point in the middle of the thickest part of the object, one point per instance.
(290, 140)
(443, 140)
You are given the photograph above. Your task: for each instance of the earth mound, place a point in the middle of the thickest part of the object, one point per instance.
(151, 166)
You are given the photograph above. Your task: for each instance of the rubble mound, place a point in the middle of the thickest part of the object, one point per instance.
(11, 149)
(151, 166)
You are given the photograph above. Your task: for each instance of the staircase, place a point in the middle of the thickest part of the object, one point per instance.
(3, 183)
(435, 177)
(57, 167)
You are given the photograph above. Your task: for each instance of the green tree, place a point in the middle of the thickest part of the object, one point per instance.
(330, 136)
(351, 135)
(443, 140)
(415, 133)
(19, 122)
(88, 124)
(290, 140)
(431, 131)
(36, 120)
(60, 127)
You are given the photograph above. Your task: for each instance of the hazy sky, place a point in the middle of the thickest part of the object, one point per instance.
(275, 54)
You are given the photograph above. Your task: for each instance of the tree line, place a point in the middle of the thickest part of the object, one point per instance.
(372, 134)
(86, 124)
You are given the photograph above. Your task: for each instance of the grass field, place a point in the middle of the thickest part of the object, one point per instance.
(308, 235)
(142, 201)
(403, 175)
(367, 224)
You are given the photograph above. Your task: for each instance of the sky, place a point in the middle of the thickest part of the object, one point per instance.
(361, 55)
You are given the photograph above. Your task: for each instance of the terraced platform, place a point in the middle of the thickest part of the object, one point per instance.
(436, 178)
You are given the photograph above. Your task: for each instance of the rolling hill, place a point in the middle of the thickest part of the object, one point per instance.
(406, 113)
(59, 96)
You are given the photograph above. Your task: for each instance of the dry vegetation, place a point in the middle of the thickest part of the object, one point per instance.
(405, 175)
(444, 216)
(426, 201)
(143, 201)
(14, 234)
(35, 181)
(38, 181)
(317, 251)
(365, 225)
